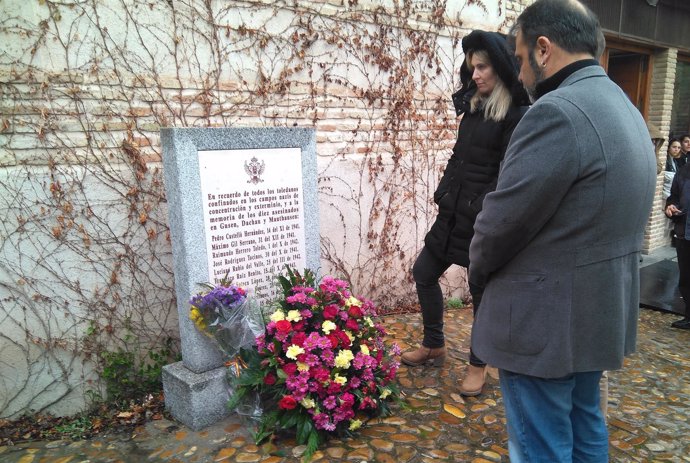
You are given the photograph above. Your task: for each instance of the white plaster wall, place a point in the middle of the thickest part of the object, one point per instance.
(89, 85)
(52, 288)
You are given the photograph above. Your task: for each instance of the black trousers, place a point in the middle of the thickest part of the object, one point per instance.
(427, 271)
(683, 253)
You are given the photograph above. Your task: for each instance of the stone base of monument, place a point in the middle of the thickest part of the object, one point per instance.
(195, 399)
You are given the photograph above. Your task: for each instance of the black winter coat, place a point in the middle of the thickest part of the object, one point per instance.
(680, 197)
(471, 173)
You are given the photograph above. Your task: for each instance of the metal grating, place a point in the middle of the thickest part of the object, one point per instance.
(668, 35)
(608, 11)
(666, 23)
(638, 19)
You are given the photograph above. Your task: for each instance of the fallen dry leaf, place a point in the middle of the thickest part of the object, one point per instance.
(453, 410)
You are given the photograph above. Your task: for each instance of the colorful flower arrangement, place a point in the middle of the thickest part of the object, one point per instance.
(322, 362)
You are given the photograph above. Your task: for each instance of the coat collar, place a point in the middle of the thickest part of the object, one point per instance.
(555, 81)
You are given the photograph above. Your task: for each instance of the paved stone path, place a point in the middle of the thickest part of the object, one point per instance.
(649, 414)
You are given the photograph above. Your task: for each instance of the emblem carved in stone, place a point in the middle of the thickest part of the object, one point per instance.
(254, 169)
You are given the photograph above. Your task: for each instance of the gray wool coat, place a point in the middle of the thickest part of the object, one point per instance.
(557, 245)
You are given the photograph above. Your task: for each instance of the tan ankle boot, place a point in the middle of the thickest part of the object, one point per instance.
(474, 381)
(422, 355)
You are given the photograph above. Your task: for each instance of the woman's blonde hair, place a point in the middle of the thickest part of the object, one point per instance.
(497, 104)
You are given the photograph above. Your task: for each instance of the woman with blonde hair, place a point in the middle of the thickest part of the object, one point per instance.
(493, 101)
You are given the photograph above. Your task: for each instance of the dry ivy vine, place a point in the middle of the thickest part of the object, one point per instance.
(85, 259)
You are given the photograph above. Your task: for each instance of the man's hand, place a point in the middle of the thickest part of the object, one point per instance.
(672, 210)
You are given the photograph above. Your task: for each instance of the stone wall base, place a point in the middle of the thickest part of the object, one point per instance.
(196, 399)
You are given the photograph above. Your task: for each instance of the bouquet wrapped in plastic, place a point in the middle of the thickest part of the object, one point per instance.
(227, 315)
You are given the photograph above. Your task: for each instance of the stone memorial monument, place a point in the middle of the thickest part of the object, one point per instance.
(242, 202)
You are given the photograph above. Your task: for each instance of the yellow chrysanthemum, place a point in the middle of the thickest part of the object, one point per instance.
(307, 402)
(302, 366)
(385, 393)
(369, 321)
(340, 379)
(293, 316)
(277, 316)
(355, 424)
(293, 351)
(197, 318)
(328, 326)
(350, 335)
(343, 359)
(364, 349)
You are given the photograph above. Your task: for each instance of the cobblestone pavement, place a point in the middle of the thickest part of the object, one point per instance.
(649, 410)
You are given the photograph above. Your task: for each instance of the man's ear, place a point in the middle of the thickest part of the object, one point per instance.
(543, 50)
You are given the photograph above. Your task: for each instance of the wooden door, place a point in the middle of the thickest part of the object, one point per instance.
(629, 71)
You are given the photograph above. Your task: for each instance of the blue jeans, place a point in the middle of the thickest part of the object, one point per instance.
(554, 420)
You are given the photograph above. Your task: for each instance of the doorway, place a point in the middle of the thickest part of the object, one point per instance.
(629, 67)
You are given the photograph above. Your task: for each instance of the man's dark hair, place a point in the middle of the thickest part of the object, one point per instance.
(567, 23)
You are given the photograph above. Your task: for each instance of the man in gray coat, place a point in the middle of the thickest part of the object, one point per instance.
(557, 245)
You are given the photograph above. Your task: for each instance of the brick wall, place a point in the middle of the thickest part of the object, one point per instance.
(660, 107)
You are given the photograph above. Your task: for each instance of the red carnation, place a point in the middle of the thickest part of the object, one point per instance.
(270, 379)
(333, 388)
(299, 338)
(330, 311)
(344, 339)
(351, 324)
(347, 399)
(334, 340)
(290, 368)
(283, 326)
(319, 374)
(299, 326)
(287, 402)
(355, 312)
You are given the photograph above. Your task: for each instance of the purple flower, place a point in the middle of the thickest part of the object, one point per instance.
(228, 297)
(323, 422)
(324, 343)
(343, 414)
(296, 298)
(312, 360)
(328, 357)
(330, 402)
(314, 340)
(302, 289)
